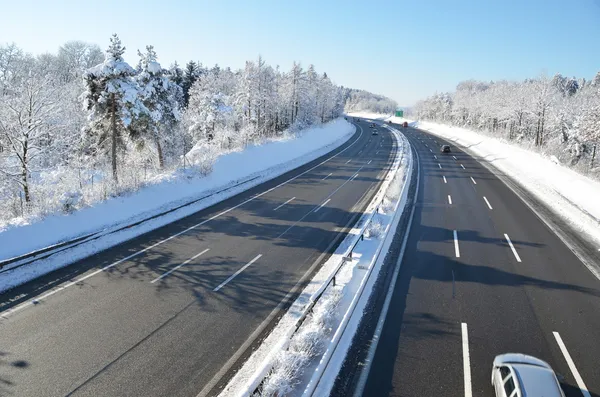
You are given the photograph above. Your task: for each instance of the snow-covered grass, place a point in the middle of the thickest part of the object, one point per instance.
(573, 196)
(261, 162)
(291, 355)
(308, 343)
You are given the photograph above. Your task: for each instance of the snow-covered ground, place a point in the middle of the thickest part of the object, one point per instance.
(571, 195)
(368, 115)
(288, 356)
(258, 163)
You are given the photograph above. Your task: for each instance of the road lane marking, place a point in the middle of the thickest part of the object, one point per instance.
(348, 161)
(487, 202)
(572, 367)
(449, 199)
(512, 247)
(443, 176)
(178, 266)
(377, 152)
(354, 176)
(434, 156)
(326, 201)
(431, 150)
(454, 157)
(474, 183)
(466, 360)
(369, 162)
(463, 167)
(439, 165)
(133, 255)
(234, 275)
(456, 249)
(331, 173)
(278, 207)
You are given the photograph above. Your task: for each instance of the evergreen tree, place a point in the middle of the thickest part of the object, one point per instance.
(159, 96)
(112, 100)
(190, 76)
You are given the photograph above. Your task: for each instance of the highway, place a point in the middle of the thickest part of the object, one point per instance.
(482, 275)
(175, 311)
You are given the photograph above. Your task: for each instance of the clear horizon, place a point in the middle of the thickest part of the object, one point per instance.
(402, 50)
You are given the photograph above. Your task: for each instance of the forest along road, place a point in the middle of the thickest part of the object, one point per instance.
(482, 275)
(173, 319)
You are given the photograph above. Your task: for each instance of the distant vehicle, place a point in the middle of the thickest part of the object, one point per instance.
(445, 149)
(375, 132)
(519, 375)
(405, 124)
(372, 125)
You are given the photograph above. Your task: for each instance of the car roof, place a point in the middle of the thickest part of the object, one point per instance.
(536, 381)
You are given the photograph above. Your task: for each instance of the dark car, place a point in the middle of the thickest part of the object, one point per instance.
(445, 149)
(405, 124)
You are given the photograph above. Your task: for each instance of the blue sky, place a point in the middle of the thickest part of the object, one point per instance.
(403, 49)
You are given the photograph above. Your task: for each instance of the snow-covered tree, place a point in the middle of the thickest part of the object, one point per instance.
(160, 98)
(30, 125)
(112, 100)
(209, 109)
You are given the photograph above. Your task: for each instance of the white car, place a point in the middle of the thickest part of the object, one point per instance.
(519, 375)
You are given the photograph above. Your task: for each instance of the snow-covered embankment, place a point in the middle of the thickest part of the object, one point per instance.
(236, 172)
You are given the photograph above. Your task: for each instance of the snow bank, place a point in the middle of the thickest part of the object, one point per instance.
(261, 162)
(571, 195)
(368, 115)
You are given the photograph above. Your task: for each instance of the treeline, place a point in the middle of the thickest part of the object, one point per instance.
(559, 115)
(82, 125)
(364, 101)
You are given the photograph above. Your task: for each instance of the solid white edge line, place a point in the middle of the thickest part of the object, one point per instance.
(67, 285)
(331, 173)
(178, 266)
(449, 200)
(466, 360)
(281, 205)
(512, 247)
(234, 275)
(325, 203)
(572, 367)
(456, 248)
(474, 183)
(487, 202)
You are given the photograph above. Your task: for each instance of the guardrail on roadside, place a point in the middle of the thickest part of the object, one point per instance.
(46, 252)
(326, 357)
(259, 376)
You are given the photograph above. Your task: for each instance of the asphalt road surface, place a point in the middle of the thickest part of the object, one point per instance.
(465, 293)
(181, 307)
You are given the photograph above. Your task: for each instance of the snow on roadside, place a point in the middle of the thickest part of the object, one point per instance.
(262, 162)
(571, 195)
(368, 115)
